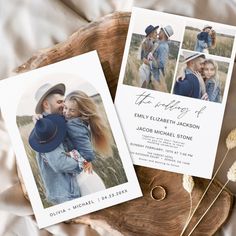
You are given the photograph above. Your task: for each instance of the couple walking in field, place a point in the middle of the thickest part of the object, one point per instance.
(154, 55)
(200, 78)
(65, 136)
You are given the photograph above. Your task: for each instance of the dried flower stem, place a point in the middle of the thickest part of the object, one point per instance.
(231, 175)
(208, 208)
(191, 207)
(188, 184)
(204, 193)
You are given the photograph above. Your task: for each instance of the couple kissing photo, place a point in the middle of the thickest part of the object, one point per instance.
(153, 53)
(68, 141)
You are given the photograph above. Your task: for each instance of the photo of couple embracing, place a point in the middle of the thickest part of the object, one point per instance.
(201, 77)
(208, 38)
(152, 56)
(70, 145)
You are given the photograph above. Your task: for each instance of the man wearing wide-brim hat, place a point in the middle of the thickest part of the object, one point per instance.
(50, 99)
(207, 27)
(191, 84)
(161, 53)
(146, 48)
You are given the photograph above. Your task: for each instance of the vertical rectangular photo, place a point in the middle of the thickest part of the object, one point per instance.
(167, 126)
(153, 52)
(69, 147)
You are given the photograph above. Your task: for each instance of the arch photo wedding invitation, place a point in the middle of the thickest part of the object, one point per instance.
(172, 90)
(68, 142)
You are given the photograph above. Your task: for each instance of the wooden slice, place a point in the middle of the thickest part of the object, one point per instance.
(143, 216)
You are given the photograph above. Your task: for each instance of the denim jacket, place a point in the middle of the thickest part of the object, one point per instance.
(80, 135)
(58, 173)
(213, 90)
(188, 87)
(203, 42)
(161, 55)
(147, 47)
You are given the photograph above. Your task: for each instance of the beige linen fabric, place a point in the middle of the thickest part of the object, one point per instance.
(28, 26)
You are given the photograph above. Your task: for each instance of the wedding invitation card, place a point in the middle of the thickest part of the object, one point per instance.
(172, 90)
(68, 142)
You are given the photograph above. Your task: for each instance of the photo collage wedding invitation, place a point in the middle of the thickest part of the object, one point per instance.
(75, 150)
(172, 90)
(69, 145)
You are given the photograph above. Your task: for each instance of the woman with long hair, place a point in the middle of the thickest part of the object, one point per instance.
(146, 47)
(212, 82)
(213, 38)
(89, 134)
(212, 41)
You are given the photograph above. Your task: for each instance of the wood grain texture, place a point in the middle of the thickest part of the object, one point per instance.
(143, 216)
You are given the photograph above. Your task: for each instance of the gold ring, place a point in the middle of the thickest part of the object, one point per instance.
(158, 193)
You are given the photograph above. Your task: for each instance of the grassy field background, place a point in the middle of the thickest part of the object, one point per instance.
(222, 72)
(110, 168)
(224, 43)
(132, 67)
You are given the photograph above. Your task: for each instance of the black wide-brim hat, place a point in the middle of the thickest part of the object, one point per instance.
(48, 133)
(150, 29)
